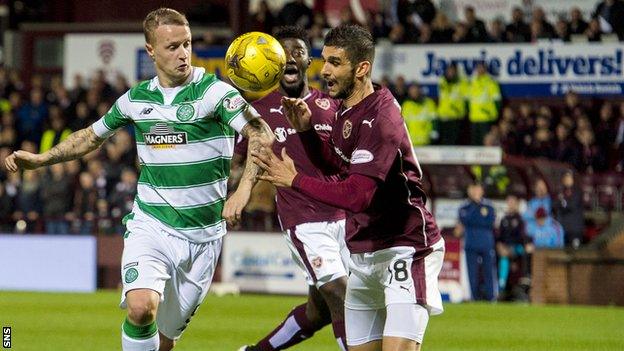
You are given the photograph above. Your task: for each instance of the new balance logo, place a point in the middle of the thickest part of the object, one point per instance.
(370, 123)
(146, 111)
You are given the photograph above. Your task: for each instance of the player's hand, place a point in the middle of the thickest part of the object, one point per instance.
(298, 113)
(233, 208)
(22, 159)
(279, 172)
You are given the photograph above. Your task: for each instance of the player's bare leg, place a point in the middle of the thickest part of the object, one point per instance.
(393, 343)
(374, 345)
(333, 294)
(166, 344)
(139, 331)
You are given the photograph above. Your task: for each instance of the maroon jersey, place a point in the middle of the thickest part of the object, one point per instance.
(294, 207)
(372, 140)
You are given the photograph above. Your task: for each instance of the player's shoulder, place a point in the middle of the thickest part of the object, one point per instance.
(269, 100)
(383, 106)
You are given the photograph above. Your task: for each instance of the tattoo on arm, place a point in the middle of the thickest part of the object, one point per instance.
(75, 146)
(260, 136)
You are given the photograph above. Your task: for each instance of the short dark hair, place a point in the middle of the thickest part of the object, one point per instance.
(293, 32)
(355, 40)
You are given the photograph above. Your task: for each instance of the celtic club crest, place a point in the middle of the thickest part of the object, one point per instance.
(185, 112)
(131, 275)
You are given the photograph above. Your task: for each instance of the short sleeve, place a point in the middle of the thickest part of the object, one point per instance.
(114, 119)
(232, 109)
(377, 144)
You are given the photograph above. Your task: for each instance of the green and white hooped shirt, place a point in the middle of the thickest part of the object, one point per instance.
(185, 142)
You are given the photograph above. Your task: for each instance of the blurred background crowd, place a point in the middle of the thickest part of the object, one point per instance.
(92, 195)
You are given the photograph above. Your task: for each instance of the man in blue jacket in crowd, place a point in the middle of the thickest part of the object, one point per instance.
(477, 218)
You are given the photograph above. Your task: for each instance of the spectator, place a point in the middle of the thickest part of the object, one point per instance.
(539, 16)
(545, 231)
(82, 118)
(85, 204)
(485, 98)
(296, 13)
(263, 20)
(477, 220)
(452, 94)
(577, 24)
(610, 13)
(419, 112)
(513, 245)
(30, 118)
(121, 199)
(540, 199)
(460, 36)
(399, 90)
(6, 210)
(28, 204)
(442, 29)
(538, 32)
(57, 131)
(425, 11)
(605, 127)
(561, 30)
(592, 157)
(618, 145)
(8, 134)
(496, 31)
(564, 149)
(568, 209)
(56, 195)
(593, 32)
(475, 27)
(518, 31)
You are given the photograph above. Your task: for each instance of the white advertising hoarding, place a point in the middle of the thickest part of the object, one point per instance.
(114, 53)
(48, 263)
(542, 69)
(261, 262)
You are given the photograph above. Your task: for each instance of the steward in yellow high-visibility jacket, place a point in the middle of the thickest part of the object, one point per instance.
(452, 105)
(485, 98)
(420, 116)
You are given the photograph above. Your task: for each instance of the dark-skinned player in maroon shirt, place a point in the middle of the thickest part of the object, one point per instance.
(396, 248)
(314, 230)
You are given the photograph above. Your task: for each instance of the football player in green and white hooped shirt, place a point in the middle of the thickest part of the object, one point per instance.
(184, 120)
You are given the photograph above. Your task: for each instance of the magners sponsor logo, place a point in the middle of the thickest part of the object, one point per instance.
(163, 136)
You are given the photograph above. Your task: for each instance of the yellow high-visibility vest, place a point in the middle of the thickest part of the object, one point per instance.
(484, 94)
(419, 117)
(452, 98)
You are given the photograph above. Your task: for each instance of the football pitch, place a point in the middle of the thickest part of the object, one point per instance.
(91, 322)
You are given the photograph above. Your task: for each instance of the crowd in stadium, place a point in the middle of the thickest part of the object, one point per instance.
(92, 196)
(403, 21)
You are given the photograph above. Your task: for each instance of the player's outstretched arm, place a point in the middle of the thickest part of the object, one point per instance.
(75, 146)
(260, 138)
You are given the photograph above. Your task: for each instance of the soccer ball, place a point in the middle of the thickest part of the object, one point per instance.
(255, 61)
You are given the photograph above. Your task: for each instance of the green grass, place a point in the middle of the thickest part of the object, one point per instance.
(91, 322)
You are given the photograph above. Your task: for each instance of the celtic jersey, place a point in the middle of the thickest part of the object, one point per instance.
(185, 141)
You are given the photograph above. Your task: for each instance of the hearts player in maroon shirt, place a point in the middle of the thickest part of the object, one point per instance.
(314, 231)
(396, 248)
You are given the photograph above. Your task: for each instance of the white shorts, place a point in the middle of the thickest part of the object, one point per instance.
(177, 269)
(320, 250)
(386, 277)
